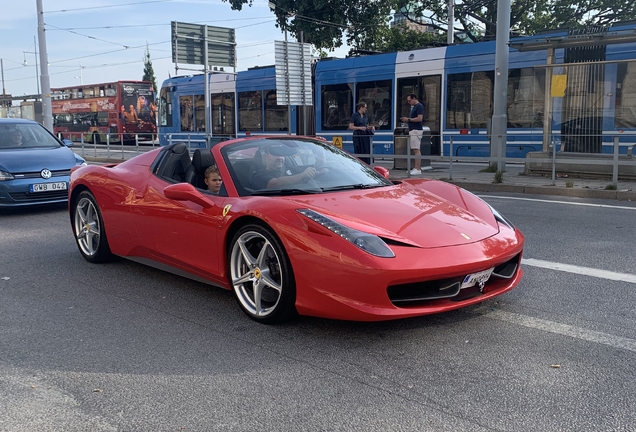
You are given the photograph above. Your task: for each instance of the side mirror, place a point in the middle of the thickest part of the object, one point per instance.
(382, 171)
(186, 192)
(67, 142)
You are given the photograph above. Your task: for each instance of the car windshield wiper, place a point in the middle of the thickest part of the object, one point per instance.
(353, 186)
(290, 191)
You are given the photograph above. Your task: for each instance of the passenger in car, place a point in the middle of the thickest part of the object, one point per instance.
(212, 179)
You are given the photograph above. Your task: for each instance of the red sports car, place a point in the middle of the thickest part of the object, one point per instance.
(298, 226)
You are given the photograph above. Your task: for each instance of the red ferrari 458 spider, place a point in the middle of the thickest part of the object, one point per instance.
(298, 226)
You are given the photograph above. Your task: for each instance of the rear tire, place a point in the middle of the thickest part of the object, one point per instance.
(261, 275)
(96, 138)
(88, 227)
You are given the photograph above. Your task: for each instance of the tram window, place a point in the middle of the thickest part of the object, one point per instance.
(222, 114)
(276, 116)
(625, 116)
(526, 98)
(187, 113)
(165, 107)
(377, 96)
(469, 100)
(337, 106)
(250, 111)
(199, 113)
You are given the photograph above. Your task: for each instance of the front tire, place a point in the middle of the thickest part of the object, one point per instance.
(88, 227)
(261, 275)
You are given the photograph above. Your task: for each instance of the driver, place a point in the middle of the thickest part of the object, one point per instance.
(273, 174)
(15, 138)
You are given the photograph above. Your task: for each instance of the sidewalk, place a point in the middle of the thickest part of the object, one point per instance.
(470, 176)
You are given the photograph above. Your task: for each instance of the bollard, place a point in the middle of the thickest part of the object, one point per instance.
(553, 149)
(450, 159)
(169, 139)
(615, 164)
(137, 144)
(82, 141)
(108, 145)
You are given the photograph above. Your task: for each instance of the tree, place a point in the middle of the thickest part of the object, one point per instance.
(149, 73)
(478, 18)
(364, 23)
(324, 23)
(400, 38)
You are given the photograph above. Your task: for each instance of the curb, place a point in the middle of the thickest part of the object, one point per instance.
(549, 190)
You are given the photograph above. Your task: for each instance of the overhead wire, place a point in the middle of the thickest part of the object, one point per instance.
(108, 6)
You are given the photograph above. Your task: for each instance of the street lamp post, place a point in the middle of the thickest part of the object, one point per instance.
(81, 77)
(37, 68)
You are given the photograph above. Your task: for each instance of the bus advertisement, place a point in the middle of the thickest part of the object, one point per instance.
(122, 109)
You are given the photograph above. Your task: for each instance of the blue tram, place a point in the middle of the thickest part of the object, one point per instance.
(455, 83)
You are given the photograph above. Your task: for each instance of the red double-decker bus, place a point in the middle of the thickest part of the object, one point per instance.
(122, 109)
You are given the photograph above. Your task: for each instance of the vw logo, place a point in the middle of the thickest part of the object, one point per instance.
(45, 174)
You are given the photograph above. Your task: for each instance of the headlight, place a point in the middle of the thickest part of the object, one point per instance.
(367, 242)
(6, 176)
(79, 160)
(500, 218)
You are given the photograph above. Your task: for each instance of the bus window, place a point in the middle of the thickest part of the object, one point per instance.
(275, 115)
(250, 111)
(165, 107)
(337, 106)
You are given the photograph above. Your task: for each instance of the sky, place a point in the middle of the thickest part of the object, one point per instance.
(95, 41)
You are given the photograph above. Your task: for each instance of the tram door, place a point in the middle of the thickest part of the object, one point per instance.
(428, 91)
(223, 122)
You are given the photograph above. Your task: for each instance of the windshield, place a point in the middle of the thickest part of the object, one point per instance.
(295, 166)
(25, 135)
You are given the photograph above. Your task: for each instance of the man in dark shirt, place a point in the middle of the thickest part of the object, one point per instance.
(414, 121)
(274, 175)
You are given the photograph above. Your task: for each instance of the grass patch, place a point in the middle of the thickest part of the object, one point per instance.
(569, 184)
(492, 168)
(498, 177)
(610, 186)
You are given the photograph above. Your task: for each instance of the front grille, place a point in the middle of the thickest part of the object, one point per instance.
(59, 173)
(39, 196)
(419, 293)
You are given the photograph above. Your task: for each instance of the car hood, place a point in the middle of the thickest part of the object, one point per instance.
(407, 214)
(36, 159)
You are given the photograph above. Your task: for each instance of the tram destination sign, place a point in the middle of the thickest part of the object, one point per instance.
(189, 41)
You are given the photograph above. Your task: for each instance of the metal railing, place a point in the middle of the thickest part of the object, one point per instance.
(546, 162)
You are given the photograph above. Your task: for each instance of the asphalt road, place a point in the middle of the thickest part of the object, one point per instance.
(123, 347)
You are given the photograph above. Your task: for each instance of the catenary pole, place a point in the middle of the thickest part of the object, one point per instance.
(499, 127)
(47, 111)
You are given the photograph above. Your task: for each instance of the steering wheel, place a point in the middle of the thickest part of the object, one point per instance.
(323, 171)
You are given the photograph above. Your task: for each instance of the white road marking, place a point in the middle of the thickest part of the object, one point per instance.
(559, 202)
(587, 271)
(564, 329)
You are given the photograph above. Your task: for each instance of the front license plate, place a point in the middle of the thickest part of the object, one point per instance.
(476, 278)
(47, 187)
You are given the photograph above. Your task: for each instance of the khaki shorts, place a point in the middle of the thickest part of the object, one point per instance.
(415, 138)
